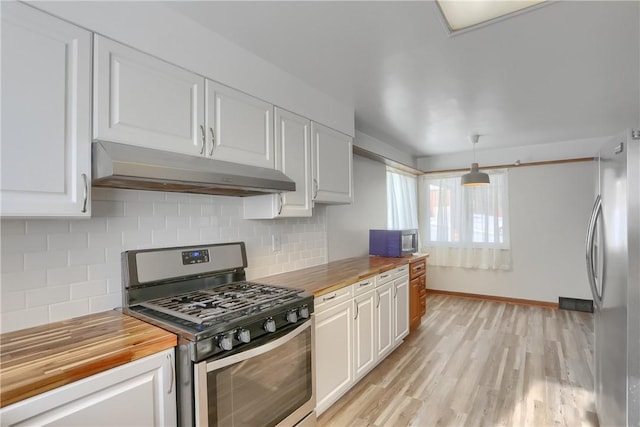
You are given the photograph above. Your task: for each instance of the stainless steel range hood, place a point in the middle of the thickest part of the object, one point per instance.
(126, 166)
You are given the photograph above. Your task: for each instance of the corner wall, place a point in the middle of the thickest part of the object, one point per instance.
(348, 225)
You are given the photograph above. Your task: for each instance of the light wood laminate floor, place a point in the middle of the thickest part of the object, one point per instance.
(483, 363)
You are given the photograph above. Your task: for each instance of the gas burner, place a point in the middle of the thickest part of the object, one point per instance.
(210, 305)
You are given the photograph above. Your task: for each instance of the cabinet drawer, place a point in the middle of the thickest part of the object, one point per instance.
(331, 299)
(364, 285)
(418, 268)
(390, 275)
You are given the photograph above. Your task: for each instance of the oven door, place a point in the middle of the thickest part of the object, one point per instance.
(269, 385)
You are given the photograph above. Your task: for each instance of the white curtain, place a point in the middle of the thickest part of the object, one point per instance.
(465, 226)
(402, 200)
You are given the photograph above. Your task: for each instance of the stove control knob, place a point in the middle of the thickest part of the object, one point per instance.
(304, 312)
(225, 342)
(292, 316)
(244, 335)
(270, 325)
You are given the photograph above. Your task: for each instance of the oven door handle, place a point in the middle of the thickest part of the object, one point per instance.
(239, 357)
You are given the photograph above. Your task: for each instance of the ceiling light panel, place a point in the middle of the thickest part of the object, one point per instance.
(462, 14)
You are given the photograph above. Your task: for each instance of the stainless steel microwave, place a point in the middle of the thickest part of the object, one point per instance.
(393, 243)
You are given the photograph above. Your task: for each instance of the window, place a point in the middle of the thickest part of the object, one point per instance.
(465, 226)
(402, 200)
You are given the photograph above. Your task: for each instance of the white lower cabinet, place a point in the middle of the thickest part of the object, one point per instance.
(140, 393)
(334, 348)
(364, 333)
(384, 312)
(400, 309)
(356, 328)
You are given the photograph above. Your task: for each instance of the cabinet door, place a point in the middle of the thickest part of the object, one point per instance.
(384, 326)
(239, 127)
(332, 165)
(140, 393)
(401, 309)
(334, 354)
(46, 139)
(364, 333)
(141, 100)
(293, 158)
(414, 304)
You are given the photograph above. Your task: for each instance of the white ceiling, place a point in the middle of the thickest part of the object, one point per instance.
(566, 71)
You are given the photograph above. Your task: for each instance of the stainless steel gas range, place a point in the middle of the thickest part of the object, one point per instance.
(245, 350)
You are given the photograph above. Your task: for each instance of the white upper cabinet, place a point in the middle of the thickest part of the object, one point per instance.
(293, 158)
(332, 165)
(141, 100)
(46, 124)
(239, 127)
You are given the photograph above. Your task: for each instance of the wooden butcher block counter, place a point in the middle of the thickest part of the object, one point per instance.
(42, 358)
(326, 278)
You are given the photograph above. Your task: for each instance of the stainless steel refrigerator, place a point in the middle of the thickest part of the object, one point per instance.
(613, 268)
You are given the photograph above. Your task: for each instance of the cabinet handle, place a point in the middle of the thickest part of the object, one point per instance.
(86, 193)
(315, 185)
(365, 284)
(329, 298)
(357, 310)
(378, 294)
(173, 373)
(203, 139)
(213, 141)
(281, 203)
(384, 276)
(395, 291)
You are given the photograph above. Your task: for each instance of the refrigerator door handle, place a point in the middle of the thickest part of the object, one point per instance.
(591, 231)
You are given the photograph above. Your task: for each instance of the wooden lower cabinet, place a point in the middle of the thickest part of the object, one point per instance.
(140, 393)
(417, 292)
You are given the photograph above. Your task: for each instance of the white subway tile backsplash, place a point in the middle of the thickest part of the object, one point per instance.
(165, 209)
(47, 296)
(86, 256)
(57, 269)
(12, 226)
(93, 225)
(23, 280)
(67, 241)
(88, 289)
(138, 208)
(67, 310)
(104, 240)
(40, 226)
(18, 244)
(105, 302)
(13, 320)
(14, 300)
(44, 260)
(66, 275)
(125, 223)
(12, 263)
(106, 208)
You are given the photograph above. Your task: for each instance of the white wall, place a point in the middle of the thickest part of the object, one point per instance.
(549, 210)
(56, 269)
(161, 31)
(348, 225)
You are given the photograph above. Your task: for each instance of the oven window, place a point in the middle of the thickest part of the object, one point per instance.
(263, 390)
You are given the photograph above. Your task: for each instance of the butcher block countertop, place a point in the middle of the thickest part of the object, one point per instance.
(42, 358)
(326, 278)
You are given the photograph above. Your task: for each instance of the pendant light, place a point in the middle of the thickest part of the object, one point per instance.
(474, 177)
